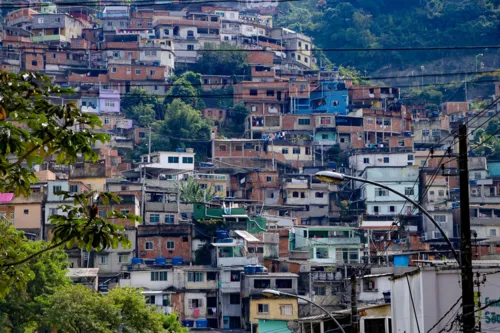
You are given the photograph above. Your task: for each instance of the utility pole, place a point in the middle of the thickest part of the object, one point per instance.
(310, 291)
(354, 305)
(465, 235)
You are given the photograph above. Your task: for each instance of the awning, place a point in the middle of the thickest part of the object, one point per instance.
(6, 197)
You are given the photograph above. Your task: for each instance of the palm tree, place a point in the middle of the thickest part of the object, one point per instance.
(191, 192)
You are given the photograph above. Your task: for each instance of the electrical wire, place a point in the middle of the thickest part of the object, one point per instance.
(445, 315)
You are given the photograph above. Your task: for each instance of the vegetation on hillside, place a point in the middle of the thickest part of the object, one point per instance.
(392, 24)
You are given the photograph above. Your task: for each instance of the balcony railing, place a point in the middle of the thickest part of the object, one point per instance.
(334, 241)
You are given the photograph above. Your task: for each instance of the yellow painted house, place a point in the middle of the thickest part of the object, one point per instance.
(271, 314)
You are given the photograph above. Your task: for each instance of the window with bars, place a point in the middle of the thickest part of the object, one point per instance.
(195, 277)
(286, 309)
(159, 276)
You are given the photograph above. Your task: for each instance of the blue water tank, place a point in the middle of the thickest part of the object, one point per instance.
(227, 240)
(180, 150)
(177, 261)
(259, 269)
(248, 269)
(221, 234)
(136, 261)
(402, 261)
(188, 323)
(202, 323)
(149, 262)
(161, 261)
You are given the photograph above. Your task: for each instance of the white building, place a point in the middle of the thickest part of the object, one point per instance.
(361, 161)
(380, 201)
(434, 291)
(170, 160)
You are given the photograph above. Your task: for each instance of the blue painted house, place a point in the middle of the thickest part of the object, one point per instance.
(329, 97)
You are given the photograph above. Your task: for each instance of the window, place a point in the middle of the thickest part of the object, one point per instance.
(392, 209)
(283, 283)
(295, 194)
(253, 92)
(296, 151)
(169, 219)
(401, 143)
(190, 47)
(222, 148)
(56, 189)
(109, 103)
(440, 218)
(107, 121)
(154, 218)
(102, 214)
(263, 308)
(166, 32)
(326, 120)
(269, 179)
(366, 160)
(234, 298)
(152, 72)
(441, 193)
(299, 57)
(302, 195)
(238, 148)
(73, 188)
(409, 191)
(493, 232)
(137, 72)
(436, 133)
(254, 108)
(320, 290)
(270, 93)
(304, 121)
(26, 211)
(40, 20)
(369, 121)
(52, 211)
(284, 151)
(324, 136)
(387, 122)
(195, 277)
(319, 195)
(159, 276)
(170, 245)
(129, 70)
(425, 132)
(386, 159)
(286, 310)
(123, 258)
(148, 245)
(116, 54)
(306, 59)
(477, 175)
(173, 159)
(381, 192)
(235, 276)
(113, 69)
(187, 160)
(376, 209)
(125, 211)
(262, 284)
(102, 260)
(195, 303)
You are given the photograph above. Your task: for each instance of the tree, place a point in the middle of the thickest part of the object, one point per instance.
(21, 308)
(77, 309)
(32, 129)
(183, 124)
(225, 59)
(191, 192)
(492, 127)
(135, 314)
(183, 90)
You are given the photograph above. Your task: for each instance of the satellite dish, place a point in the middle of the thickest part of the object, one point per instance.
(293, 325)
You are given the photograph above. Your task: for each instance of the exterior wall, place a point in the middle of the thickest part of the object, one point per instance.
(381, 284)
(360, 161)
(116, 258)
(274, 313)
(142, 279)
(434, 293)
(97, 184)
(205, 284)
(27, 216)
(189, 312)
(161, 160)
(109, 100)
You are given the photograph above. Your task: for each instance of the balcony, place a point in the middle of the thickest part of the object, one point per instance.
(334, 241)
(237, 261)
(325, 142)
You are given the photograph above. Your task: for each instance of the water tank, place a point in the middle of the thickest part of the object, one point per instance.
(161, 261)
(387, 297)
(149, 262)
(188, 323)
(250, 269)
(180, 150)
(177, 261)
(221, 234)
(136, 261)
(402, 261)
(259, 269)
(201, 323)
(227, 240)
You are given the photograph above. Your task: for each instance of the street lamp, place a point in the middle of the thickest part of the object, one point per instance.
(273, 292)
(337, 178)
(479, 55)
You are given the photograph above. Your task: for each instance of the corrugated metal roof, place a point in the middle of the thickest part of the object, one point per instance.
(247, 236)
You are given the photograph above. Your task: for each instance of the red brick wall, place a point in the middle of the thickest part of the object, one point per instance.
(145, 73)
(182, 248)
(60, 57)
(260, 57)
(30, 66)
(453, 107)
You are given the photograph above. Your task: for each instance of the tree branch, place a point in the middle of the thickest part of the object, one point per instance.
(28, 258)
